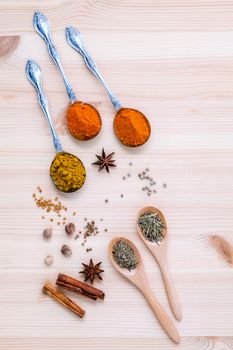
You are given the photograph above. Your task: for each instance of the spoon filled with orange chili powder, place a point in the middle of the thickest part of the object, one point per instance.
(131, 126)
(83, 121)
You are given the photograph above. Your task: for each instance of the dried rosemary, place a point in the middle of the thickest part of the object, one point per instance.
(124, 255)
(152, 226)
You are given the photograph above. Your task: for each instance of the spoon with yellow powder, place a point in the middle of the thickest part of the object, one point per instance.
(131, 126)
(83, 121)
(67, 171)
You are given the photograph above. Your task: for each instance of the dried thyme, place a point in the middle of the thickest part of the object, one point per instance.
(152, 226)
(124, 255)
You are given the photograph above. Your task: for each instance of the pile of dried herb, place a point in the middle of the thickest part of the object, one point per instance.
(151, 226)
(124, 255)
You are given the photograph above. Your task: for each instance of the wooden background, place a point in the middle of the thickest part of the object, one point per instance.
(173, 60)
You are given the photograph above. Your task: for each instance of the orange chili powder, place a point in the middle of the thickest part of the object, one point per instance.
(83, 121)
(131, 127)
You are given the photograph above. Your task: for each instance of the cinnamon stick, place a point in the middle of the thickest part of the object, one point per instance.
(79, 287)
(52, 291)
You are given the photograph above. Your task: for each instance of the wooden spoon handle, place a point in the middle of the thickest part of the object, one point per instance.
(171, 291)
(161, 315)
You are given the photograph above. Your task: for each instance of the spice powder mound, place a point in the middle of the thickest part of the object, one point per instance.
(131, 127)
(67, 172)
(83, 121)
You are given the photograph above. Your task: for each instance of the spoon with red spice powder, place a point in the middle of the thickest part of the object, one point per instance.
(83, 121)
(131, 126)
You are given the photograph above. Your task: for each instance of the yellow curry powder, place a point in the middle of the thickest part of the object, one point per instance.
(131, 127)
(67, 172)
(83, 121)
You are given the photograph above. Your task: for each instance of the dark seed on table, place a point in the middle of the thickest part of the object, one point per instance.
(70, 228)
(66, 250)
(47, 233)
(48, 260)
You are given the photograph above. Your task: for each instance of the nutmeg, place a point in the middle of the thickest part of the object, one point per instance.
(47, 233)
(48, 260)
(70, 228)
(66, 250)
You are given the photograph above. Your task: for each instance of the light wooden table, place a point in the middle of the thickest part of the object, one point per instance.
(174, 61)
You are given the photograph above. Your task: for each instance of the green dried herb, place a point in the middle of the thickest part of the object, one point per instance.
(152, 226)
(124, 255)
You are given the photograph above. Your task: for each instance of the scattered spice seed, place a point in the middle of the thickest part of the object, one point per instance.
(143, 176)
(164, 185)
(48, 204)
(48, 260)
(106, 200)
(66, 250)
(122, 195)
(74, 213)
(47, 233)
(70, 228)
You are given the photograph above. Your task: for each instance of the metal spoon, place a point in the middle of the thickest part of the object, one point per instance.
(73, 37)
(138, 278)
(42, 27)
(159, 251)
(34, 75)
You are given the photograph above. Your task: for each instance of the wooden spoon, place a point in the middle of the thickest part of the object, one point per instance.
(159, 251)
(138, 278)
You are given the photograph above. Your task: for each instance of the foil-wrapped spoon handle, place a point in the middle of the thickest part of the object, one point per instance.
(34, 75)
(41, 25)
(73, 37)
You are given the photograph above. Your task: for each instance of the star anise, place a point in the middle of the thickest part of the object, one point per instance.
(92, 271)
(105, 161)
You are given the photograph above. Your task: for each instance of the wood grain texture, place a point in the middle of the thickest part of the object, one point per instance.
(173, 60)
